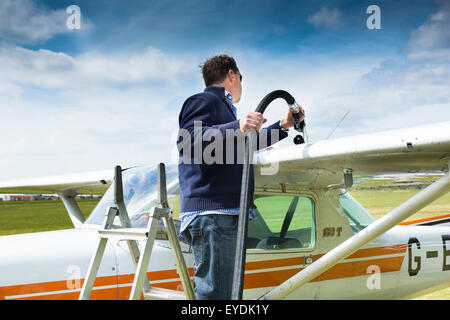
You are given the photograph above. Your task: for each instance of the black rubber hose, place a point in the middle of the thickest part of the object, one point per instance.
(240, 256)
(272, 96)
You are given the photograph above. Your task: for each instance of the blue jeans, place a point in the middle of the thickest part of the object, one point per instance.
(213, 241)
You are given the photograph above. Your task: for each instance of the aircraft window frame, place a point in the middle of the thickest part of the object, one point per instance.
(313, 199)
(358, 220)
(139, 187)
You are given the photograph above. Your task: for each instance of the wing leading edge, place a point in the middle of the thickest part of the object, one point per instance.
(421, 149)
(68, 184)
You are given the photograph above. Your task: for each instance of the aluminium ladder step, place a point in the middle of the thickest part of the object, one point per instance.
(124, 233)
(154, 293)
(140, 257)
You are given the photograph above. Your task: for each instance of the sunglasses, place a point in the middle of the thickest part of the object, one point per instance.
(240, 75)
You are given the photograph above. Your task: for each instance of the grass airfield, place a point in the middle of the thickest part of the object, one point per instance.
(47, 215)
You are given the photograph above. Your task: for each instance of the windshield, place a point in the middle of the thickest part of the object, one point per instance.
(139, 194)
(357, 216)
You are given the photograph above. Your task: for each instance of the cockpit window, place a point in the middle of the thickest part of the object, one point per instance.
(283, 222)
(139, 194)
(357, 216)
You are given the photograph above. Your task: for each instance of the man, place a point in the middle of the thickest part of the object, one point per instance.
(210, 192)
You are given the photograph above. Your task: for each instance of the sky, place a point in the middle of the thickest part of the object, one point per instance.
(109, 92)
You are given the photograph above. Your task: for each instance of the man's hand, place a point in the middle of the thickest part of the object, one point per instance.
(288, 122)
(252, 120)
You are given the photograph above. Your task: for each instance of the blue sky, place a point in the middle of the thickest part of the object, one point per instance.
(270, 26)
(110, 93)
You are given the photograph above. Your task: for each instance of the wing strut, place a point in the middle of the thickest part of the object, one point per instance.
(374, 230)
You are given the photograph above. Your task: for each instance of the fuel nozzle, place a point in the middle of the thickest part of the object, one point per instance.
(298, 125)
(295, 107)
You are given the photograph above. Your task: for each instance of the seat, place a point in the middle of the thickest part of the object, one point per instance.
(277, 243)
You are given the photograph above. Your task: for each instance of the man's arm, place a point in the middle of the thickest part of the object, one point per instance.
(199, 112)
(266, 136)
(197, 127)
(270, 135)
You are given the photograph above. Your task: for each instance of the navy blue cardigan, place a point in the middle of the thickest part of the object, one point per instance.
(209, 186)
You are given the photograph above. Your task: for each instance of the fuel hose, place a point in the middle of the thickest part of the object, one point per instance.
(246, 194)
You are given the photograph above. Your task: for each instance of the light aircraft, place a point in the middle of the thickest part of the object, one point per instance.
(311, 239)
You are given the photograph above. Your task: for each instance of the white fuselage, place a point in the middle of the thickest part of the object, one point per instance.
(403, 262)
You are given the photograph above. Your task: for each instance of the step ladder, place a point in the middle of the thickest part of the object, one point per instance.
(125, 231)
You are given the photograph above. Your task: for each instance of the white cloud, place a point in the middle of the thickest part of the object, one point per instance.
(151, 65)
(327, 18)
(24, 21)
(88, 112)
(326, 87)
(80, 113)
(94, 111)
(10, 96)
(432, 39)
(396, 93)
(63, 71)
(400, 91)
(62, 113)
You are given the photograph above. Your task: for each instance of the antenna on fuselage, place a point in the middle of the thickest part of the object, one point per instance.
(340, 121)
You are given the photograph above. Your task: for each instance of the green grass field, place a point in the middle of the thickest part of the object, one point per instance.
(36, 216)
(380, 202)
(40, 215)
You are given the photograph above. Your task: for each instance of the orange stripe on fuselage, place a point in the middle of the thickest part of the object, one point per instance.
(99, 282)
(362, 253)
(405, 223)
(252, 280)
(53, 286)
(341, 270)
(379, 251)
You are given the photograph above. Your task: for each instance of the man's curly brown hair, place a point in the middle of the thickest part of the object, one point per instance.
(215, 69)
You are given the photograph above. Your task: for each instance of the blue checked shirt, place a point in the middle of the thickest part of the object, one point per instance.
(187, 217)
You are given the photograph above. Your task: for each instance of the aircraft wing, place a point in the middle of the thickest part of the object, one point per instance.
(378, 157)
(393, 153)
(94, 183)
